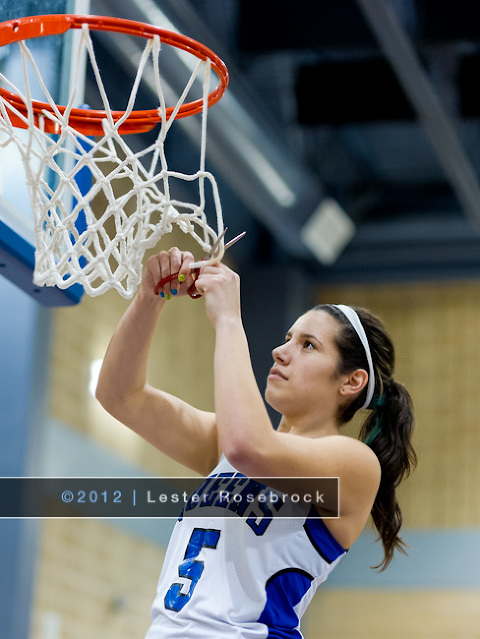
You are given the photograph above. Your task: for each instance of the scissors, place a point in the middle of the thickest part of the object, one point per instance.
(194, 294)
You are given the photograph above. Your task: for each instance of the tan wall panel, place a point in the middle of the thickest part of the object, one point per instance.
(94, 580)
(393, 614)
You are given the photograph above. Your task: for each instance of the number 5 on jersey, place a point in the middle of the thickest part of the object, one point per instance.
(191, 568)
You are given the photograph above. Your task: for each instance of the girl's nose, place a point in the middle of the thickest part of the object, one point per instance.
(280, 354)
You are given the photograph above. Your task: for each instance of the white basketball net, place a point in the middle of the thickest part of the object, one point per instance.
(107, 252)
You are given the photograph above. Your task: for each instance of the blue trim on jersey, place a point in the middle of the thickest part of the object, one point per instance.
(285, 589)
(322, 539)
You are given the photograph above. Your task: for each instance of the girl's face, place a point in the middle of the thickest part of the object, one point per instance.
(304, 376)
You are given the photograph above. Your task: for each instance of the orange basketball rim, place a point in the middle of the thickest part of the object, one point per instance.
(89, 122)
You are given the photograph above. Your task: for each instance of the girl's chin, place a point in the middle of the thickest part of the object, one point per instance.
(270, 399)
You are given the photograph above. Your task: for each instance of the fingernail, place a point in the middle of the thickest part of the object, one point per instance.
(168, 296)
(162, 294)
(174, 291)
(181, 278)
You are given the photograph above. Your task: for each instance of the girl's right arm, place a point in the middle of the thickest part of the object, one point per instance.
(179, 430)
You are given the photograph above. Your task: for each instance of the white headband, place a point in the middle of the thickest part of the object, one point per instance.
(354, 320)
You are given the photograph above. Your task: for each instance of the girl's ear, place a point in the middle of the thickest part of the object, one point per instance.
(354, 383)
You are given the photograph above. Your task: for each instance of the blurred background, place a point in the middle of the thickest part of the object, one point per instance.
(347, 148)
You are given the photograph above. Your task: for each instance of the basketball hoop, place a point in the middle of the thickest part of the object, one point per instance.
(75, 243)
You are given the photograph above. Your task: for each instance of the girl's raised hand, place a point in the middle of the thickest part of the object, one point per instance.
(164, 264)
(221, 289)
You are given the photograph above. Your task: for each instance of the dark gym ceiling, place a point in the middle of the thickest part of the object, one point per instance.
(373, 103)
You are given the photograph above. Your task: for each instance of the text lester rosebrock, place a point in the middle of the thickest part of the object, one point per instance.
(225, 497)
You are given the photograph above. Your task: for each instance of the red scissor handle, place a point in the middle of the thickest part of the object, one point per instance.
(192, 291)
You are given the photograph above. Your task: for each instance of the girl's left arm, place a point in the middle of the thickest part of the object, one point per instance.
(245, 432)
(243, 423)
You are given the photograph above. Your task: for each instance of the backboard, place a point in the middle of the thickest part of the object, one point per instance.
(16, 218)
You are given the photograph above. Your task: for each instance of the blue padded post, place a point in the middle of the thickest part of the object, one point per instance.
(24, 333)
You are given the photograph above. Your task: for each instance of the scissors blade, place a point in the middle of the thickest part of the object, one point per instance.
(235, 239)
(219, 239)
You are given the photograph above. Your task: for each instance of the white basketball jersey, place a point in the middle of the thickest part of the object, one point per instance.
(240, 575)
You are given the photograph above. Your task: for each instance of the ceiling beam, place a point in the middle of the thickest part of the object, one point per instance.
(411, 230)
(399, 50)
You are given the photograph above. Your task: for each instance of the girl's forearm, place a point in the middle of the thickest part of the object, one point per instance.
(242, 419)
(124, 367)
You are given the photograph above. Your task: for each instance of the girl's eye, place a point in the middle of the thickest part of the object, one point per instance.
(308, 344)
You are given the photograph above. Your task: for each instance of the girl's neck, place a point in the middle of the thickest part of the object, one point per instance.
(304, 428)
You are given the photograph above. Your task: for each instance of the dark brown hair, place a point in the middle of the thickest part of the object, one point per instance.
(388, 428)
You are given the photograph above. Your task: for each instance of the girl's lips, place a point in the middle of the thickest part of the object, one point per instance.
(275, 372)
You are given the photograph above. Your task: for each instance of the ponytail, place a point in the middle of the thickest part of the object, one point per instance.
(388, 430)
(389, 426)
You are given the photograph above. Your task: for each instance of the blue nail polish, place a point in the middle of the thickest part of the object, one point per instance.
(162, 294)
(174, 291)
